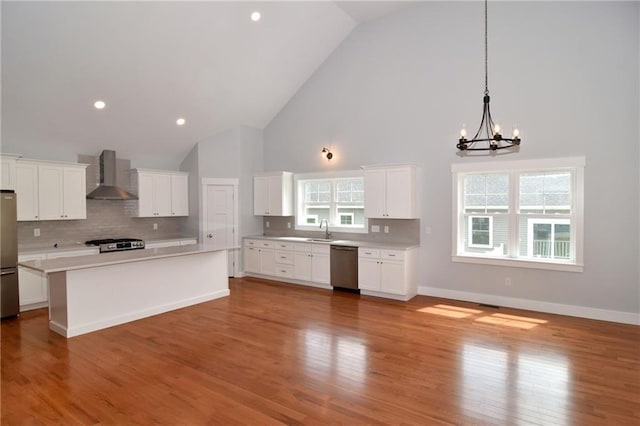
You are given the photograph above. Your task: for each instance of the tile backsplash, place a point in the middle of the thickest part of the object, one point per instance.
(401, 231)
(105, 219)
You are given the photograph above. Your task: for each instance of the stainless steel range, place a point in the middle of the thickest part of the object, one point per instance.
(117, 244)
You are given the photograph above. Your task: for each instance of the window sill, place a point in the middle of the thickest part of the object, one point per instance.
(519, 263)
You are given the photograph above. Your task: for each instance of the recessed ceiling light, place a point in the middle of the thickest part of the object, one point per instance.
(255, 16)
(99, 104)
(180, 121)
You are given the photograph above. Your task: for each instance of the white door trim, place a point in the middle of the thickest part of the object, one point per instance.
(235, 183)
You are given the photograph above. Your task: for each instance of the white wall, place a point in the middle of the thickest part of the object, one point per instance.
(236, 153)
(399, 88)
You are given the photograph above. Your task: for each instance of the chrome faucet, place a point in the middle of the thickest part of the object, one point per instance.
(327, 234)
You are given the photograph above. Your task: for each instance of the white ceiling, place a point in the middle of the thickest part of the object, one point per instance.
(153, 62)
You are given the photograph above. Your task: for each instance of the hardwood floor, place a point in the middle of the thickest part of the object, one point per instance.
(276, 353)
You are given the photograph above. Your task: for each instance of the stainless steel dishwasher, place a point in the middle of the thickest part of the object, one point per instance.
(344, 267)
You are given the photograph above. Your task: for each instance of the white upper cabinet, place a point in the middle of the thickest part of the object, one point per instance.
(390, 191)
(8, 171)
(161, 193)
(51, 191)
(27, 191)
(273, 194)
(180, 195)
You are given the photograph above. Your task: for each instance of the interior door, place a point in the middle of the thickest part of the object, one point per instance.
(219, 223)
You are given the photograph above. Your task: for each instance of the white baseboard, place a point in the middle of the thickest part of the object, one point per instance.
(534, 305)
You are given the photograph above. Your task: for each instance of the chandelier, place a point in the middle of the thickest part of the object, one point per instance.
(488, 136)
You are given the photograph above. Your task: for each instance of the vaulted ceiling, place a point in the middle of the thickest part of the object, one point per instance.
(152, 63)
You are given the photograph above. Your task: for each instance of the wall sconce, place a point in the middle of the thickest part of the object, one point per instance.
(327, 154)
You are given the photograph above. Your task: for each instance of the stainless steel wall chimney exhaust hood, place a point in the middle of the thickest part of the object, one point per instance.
(108, 190)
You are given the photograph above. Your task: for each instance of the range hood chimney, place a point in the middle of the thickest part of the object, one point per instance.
(108, 190)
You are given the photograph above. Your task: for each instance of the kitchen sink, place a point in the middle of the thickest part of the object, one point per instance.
(320, 240)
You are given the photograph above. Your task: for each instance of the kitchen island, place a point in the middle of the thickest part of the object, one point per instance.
(89, 293)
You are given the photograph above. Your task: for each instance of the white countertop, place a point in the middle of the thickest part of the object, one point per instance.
(114, 258)
(337, 242)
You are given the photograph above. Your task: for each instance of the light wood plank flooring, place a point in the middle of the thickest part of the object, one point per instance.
(275, 353)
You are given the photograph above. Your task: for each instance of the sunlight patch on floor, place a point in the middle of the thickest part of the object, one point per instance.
(511, 321)
(450, 311)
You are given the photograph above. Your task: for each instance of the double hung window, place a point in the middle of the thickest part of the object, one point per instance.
(519, 213)
(336, 198)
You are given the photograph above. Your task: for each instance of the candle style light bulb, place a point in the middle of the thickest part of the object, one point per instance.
(496, 130)
(463, 133)
(516, 132)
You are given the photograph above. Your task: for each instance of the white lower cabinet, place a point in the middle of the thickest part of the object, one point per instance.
(260, 257)
(388, 273)
(311, 262)
(32, 285)
(284, 259)
(304, 263)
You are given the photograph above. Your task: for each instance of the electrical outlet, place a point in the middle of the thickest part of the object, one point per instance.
(288, 225)
(36, 232)
(268, 224)
(155, 226)
(507, 281)
(375, 228)
(427, 230)
(386, 229)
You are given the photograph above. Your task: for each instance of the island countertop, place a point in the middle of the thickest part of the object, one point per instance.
(91, 261)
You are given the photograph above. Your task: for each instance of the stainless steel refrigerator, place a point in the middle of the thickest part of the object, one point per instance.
(9, 297)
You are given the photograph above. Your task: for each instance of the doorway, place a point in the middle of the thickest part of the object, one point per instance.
(219, 219)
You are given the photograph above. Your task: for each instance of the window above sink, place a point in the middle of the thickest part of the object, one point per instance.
(335, 197)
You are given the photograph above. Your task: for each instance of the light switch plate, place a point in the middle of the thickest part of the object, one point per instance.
(36, 232)
(155, 226)
(386, 229)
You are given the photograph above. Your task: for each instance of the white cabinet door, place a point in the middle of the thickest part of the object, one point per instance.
(179, 195)
(145, 195)
(252, 259)
(369, 274)
(162, 194)
(8, 172)
(375, 193)
(302, 266)
(400, 193)
(320, 268)
(273, 194)
(32, 285)
(50, 192)
(392, 277)
(267, 262)
(74, 193)
(390, 192)
(261, 196)
(27, 191)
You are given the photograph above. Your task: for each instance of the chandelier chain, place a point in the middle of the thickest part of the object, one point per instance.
(486, 51)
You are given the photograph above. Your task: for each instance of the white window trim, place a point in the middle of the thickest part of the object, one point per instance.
(341, 215)
(326, 175)
(515, 167)
(531, 221)
(470, 228)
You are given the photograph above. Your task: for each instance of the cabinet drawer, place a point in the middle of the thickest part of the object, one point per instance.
(371, 253)
(283, 246)
(320, 248)
(392, 254)
(284, 257)
(251, 243)
(303, 247)
(284, 271)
